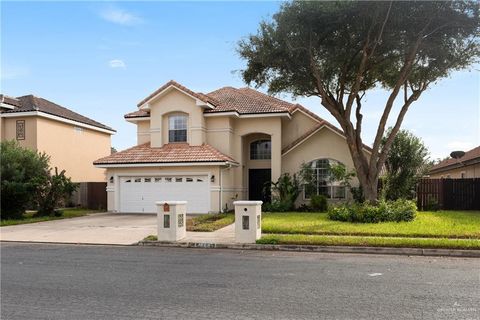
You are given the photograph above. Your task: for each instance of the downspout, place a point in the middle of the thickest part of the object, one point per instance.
(220, 199)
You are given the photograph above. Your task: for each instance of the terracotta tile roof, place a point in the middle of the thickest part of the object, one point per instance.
(14, 102)
(32, 103)
(199, 96)
(246, 101)
(137, 114)
(169, 153)
(470, 155)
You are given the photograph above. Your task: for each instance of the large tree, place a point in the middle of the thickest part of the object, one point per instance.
(338, 51)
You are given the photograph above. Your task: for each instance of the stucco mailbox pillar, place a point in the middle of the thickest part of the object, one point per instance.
(248, 221)
(171, 220)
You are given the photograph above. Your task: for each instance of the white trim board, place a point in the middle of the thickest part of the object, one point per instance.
(56, 118)
(250, 115)
(173, 164)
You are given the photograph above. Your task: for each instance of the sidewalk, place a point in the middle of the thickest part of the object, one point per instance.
(225, 235)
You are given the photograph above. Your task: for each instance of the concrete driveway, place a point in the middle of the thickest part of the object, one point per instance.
(100, 228)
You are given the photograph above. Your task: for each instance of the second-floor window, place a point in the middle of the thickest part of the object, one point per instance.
(177, 128)
(261, 150)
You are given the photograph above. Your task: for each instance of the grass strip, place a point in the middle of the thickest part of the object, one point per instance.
(299, 239)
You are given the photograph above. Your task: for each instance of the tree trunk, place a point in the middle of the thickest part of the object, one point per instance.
(369, 184)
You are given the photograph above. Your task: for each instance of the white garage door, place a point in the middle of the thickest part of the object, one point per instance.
(139, 194)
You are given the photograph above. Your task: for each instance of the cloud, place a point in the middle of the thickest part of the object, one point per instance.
(117, 63)
(120, 16)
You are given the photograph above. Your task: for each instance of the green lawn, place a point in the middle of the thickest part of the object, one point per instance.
(28, 217)
(210, 222)
(301, 239)
(440, 224)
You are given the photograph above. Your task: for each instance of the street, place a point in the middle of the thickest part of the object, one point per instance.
(41, 281)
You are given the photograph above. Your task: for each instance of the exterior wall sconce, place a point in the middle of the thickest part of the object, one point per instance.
(212, 178)
(111, 179)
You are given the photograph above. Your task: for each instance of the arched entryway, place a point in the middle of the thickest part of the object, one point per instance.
(257, 166)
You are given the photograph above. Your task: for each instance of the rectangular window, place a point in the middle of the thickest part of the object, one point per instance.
(166, 221)
(177, 128)
(261, 150)
(20, 129)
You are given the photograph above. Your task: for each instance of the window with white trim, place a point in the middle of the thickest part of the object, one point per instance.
(177, 128)
(261, 150)
(322, 181)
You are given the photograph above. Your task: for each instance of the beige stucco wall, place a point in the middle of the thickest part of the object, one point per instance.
(143, 131)
(220, 133)
(228, 192)
(9, 127)
(72, 150)
(472, 171)
(170, 103)
(298, 125)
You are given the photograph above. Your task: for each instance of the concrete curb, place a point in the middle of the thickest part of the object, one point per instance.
(330, 249)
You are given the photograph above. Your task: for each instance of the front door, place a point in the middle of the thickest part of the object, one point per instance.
(259, 184)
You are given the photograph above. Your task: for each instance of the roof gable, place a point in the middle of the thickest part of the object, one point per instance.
(208, 101)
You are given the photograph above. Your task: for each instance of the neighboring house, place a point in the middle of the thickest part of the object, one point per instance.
(71, 140)
(467, 166)
(210, 149)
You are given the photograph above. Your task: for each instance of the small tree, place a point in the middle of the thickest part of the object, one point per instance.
(22, 171)
(407, 161)
(340, 50)
(53, 189)
(285, 192)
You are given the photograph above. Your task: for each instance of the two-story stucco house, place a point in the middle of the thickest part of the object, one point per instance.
(210, 149)
(71, 140)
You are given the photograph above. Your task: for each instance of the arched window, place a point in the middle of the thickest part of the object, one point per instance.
(261, 150)
(322, 181)
(177, 128)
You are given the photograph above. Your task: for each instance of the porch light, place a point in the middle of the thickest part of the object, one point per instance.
(212, 178)
(111, 179)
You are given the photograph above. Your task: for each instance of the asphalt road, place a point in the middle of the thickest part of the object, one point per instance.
(105, 282)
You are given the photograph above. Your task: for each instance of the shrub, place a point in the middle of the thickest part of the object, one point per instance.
(53, 190)
(319, 203)
(277, 206)
(304, 208)
(398, 210)
(22, 171)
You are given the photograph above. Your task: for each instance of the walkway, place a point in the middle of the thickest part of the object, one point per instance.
(225, 235)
